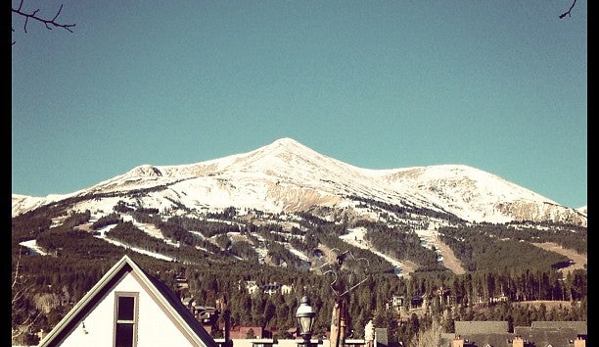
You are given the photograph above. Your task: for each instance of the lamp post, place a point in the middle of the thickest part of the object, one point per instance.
(305, 319)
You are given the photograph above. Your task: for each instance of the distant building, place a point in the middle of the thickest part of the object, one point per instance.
(495, 333)
(271, 288)
(556, 333)
(397, 301)
(248, 332)
(465, 328)
(251, 287)
(286, 289)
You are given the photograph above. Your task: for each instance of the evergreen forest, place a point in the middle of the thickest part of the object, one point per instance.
(506, 274)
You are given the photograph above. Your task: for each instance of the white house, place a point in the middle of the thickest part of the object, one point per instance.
(129, 308)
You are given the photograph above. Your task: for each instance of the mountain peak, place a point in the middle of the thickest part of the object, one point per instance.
(279, 155)
(287, 175)
(286, 141)
(286, 144)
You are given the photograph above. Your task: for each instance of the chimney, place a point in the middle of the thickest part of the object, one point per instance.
(458, 341)
(580, 342)
(518, 342)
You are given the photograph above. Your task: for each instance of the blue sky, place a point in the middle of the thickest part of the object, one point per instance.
(497, 85)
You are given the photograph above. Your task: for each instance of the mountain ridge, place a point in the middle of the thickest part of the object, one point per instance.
(285, 175)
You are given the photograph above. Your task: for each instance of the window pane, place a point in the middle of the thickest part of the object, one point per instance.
(124, 335)
(126, 308)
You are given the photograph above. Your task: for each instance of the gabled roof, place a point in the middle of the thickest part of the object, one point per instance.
(162, 295)
(382, 336)
(490, 339)
(579, 326)
(465, 328)
(545, 337)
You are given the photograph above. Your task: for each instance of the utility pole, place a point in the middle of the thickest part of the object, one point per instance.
(339, 316)
(339, 321)
(222, 306)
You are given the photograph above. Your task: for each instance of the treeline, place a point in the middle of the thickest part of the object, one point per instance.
(402, 244)
(375, 263)
(217, 265)
(487, 247)
(568, 236)
(516, 285)
(470, 297)
(132, 236)
(401, 212)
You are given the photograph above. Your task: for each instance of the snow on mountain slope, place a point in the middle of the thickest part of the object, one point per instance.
(355, 237)
(282, 176)
(473, 194)
(24, 203)
(286, 176)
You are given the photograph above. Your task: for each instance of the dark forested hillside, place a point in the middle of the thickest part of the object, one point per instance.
(217, 254)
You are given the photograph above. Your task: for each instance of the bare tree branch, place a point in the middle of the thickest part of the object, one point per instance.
(19, 289)
(568, 13)
(49, 23)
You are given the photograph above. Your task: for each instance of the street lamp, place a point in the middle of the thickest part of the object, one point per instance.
(305, 318)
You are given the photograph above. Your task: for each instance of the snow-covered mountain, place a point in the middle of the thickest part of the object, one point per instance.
(286, 176)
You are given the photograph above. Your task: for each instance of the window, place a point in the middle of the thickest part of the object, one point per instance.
(125, 332)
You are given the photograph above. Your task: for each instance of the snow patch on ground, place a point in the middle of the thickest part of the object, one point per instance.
(32, 245)
(428, 237)
(102, 235)
(355, 237)
(139, 250)
(299, 254)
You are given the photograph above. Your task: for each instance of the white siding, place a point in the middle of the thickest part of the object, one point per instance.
(154, 326)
